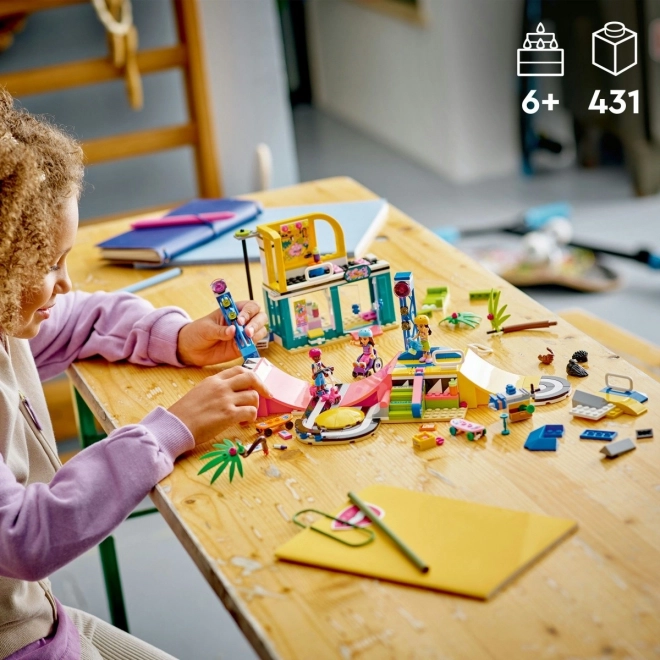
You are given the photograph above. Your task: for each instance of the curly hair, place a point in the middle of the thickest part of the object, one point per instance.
(40, 167)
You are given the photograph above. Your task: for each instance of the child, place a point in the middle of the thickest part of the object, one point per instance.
(49, 513)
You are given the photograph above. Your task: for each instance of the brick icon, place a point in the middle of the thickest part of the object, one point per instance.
(614, 48)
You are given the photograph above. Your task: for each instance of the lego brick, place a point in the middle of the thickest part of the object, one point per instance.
(591, 413)
(427, 427)
(423, 441)
(537, 441)
(481, 295)
(285, 435)
(618, 447)
(593, 434)
(519, 416)
(581, 398)
(643, 434)
(628, 405)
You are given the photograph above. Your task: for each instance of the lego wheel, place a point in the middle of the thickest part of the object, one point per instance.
(268, 432)
(378, 365)
(318, 437)
(303, 436)
(355, 374)
(289, 425)
(452, 430)
(470, 435)
(483, 434)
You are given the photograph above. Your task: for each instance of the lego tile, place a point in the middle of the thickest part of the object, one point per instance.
(633, 394)
(285, 435)
(619, 447)
(643, 434)
(553, 431)
(551, 389)
(593, 434)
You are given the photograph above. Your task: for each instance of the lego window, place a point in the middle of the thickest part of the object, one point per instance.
(312, 315)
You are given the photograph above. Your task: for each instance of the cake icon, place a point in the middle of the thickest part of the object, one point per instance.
(540, 54)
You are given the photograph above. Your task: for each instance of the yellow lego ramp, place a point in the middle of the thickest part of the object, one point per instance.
(626, 404)
(478, 379)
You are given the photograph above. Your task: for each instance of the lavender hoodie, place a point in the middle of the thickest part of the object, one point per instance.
(45, 526)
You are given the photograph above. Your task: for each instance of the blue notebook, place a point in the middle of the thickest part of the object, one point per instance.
(160, 245)
(361, 222)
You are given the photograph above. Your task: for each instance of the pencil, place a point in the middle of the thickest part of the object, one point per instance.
(151, 281)
(419, 563)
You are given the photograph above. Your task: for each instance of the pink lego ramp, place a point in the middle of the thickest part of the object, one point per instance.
(291, 393)
(360, 392)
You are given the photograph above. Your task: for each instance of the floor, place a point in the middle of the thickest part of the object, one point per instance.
(174, 607)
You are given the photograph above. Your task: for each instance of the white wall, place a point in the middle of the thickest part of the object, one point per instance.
(443, 94)
(249, 90)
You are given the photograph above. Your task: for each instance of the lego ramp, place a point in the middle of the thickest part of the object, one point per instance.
(360, 391)
(478, 379)
(289, 393)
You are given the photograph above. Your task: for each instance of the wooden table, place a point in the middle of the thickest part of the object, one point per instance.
(596, 595)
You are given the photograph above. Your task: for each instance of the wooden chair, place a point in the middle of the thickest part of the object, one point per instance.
(197, 133)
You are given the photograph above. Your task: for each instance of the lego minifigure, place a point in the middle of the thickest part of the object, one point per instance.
(422, 334)
(368, 362)
(319, 372)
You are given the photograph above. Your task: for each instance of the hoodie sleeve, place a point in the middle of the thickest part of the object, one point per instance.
(45, 526)
(116, 326)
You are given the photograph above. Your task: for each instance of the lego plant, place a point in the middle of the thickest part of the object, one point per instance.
(496, 314)
(228, 454)
(468, 318)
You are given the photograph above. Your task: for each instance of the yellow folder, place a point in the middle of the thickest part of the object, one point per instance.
(472, 549)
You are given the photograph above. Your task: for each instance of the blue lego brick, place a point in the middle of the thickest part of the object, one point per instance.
(553, 431)
(403, 275)
(633, 394)
(592, 434)
(537, 441)
(497, 402)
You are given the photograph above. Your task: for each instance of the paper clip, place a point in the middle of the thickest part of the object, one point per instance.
(369, 533)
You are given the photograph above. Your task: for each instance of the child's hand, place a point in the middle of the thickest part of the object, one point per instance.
(209, 340)
(219, 401)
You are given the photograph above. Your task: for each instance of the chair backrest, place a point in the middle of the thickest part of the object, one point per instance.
(187, 55)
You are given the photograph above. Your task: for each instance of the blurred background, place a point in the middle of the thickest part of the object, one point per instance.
(419, 100)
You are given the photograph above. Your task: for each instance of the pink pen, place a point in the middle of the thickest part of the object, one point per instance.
(175, 220)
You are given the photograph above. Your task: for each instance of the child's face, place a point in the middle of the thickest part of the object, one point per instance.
(36, 308)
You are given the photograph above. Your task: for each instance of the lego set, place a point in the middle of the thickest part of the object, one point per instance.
(313, 297)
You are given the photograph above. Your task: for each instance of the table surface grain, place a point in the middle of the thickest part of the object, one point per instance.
(597, 595)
